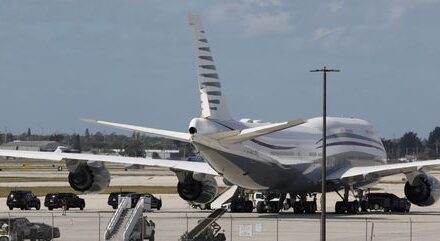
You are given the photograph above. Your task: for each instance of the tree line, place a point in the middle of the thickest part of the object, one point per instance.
(99, 142)
(410, 145)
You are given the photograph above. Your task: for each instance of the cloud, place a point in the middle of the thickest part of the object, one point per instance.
(266, 23)
(335, 6)
(253, 17)
(321, 33)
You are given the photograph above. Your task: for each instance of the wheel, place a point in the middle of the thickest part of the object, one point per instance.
(364, 206)
(50, 208)
(37, 207)
(235, 207)
(67, 207)
(260, 207)
(115, 207)
(339, 208)
(376, 206)
(298, 208)
(273, 207)
(352, 207)
(10, 207)
(310, 208)
(249, 206)
(82, 207)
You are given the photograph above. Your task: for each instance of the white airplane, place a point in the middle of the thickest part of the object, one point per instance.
(270, 157)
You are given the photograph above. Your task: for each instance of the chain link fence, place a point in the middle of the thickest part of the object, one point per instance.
(77, 226)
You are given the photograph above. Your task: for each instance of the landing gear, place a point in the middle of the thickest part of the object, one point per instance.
(346, 206)
(303, 206)
(240, 204)
(261, 208)
(274, 202)
(269, 202)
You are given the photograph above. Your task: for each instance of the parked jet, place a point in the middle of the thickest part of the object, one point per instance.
(270, 157)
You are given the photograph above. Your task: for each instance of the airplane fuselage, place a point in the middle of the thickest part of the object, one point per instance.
(290, 160)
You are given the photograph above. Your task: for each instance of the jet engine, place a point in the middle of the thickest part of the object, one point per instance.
(88, 177)
(197, 188)
(423, 191)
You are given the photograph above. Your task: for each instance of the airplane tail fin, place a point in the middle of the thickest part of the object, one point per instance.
(212, 100)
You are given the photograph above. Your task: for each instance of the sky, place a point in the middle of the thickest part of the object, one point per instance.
(132, 61)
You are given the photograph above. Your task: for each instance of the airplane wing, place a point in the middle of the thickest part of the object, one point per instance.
(373, 172)
(200, 167)
(174, 135)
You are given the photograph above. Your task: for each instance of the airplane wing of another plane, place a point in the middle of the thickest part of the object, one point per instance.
(373, 172)
(200, 167)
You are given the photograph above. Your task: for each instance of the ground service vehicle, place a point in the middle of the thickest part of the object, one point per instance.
(114, 197)
(386, 202)
(25, 200)
(12, 229)
(42, 231)
(59, 200)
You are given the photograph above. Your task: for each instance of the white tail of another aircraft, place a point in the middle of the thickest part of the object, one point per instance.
(212, 100)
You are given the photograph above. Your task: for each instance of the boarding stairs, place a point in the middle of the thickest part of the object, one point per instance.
(126, 222)
(224, 197)
(207, 229)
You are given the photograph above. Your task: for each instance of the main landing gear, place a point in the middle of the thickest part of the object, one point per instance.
(301, 205)
(240, 203)
(269, 202)
(274, 202)
(346, 206)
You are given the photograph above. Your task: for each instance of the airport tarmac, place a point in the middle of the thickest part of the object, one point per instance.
(176, 216)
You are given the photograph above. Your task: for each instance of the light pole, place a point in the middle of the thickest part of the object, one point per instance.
(324, 150)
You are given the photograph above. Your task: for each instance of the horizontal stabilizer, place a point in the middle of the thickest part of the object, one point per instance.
(236, 136)
(174, 135)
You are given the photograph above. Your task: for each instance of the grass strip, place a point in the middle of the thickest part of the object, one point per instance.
(32, 179)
